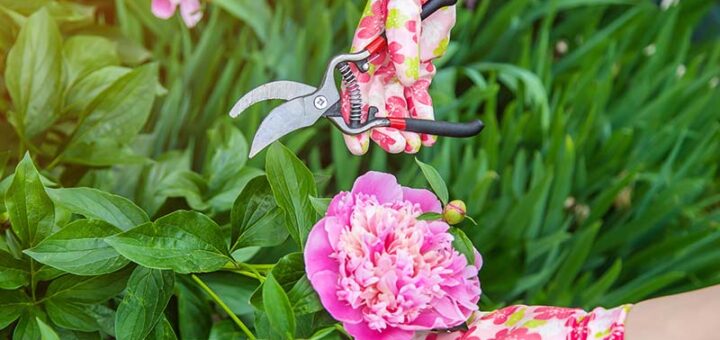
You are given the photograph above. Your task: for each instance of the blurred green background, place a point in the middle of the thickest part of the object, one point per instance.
(595, 181)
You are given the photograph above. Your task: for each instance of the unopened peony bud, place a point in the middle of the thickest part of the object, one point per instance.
(454, 212)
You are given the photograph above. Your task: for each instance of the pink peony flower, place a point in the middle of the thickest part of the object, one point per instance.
(189, 10)
(383, 273)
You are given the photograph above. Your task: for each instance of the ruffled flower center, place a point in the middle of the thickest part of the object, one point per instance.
(392, 266)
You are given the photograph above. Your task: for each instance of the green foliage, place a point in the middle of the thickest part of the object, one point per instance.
(148, 292)
(28, 205)
(79, 248)
(33, 74)
(256, 219)
(462, 244)
(292, 184)
(595, 181)
(278, 309)
(93, 203)
(183, 241)
(436, 182)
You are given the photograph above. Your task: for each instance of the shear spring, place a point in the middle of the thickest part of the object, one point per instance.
(353, 89)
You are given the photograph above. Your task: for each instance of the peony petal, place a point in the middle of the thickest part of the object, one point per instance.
(383, 186)
(333, 228)
(318, 250)
(341, 207)
(325, 284)
(428, 319)
(191, 12)
(425, 198)
(448, 309)
(163, 9)
(478, 260)
(360, 331)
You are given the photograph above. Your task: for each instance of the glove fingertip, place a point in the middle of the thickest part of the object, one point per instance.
(357, 145)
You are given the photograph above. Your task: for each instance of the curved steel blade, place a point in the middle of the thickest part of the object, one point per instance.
(282, 89)
(293, 115)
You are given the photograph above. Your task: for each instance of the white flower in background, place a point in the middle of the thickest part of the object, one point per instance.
(650, 50)
(665, 4)
(681, 69)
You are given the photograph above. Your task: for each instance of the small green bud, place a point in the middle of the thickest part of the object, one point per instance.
(4, 217)
(454, 212)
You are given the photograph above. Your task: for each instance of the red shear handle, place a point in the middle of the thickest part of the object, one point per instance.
(437, 128)
(428, 8)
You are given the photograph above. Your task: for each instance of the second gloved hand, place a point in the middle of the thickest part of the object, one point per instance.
(399, 77)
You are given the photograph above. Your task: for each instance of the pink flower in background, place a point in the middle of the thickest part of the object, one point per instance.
(383, 273)
(189, 10)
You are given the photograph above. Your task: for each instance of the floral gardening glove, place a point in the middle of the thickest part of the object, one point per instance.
(398, 80)
(540, 323)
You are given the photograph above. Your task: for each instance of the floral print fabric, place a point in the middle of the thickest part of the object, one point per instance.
(541, 323)
(400, 75)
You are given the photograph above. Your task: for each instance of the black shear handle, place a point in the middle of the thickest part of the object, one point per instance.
(438, 128)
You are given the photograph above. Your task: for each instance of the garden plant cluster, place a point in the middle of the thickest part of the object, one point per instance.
(129, 208)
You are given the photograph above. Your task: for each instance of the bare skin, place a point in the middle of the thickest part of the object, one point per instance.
(688, 316)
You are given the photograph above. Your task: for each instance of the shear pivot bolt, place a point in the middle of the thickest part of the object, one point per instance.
(320, 102)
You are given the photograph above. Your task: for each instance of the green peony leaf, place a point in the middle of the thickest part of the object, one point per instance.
(84, 54)
(92, 203)
(225, 330)
(303, 297)
(27, 326)
(119, 112)
(255, 217)
(79, 248)
(435, 180)
(194, 314)
(289, 272)
(31, 211)
(163, 331)
(183, 241)
(87, 289)
(83, 91)
(46, 332)
(292, 184)
(278, 308)
(148, 292)
(77, 316)
(33, 75)
(13, 273)
(463, 245)
(235, 290)
(227, 154)
(320, 204)
(429, 216)
(12, 305)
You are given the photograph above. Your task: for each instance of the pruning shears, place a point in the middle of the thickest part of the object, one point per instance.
(306, 104)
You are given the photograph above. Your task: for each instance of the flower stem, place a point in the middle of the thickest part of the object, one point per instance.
(259, 267)
(254, 271)
(251, 274)
(224, 306)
